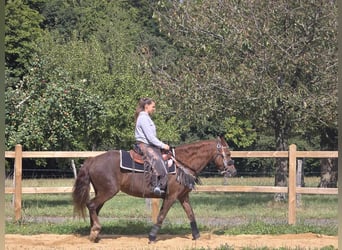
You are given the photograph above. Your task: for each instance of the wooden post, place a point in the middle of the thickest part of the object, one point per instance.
(74, 168)
(292, 184)
(18, 161)
(155, 210)
(299, 181)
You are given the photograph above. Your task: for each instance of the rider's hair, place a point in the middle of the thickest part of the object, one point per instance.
(141, 106)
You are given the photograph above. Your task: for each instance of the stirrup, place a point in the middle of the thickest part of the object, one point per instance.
(158, 191)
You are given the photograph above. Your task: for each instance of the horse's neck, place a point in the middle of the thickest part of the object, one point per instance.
(195, 156)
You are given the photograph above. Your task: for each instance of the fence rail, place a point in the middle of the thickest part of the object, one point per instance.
(292, 190)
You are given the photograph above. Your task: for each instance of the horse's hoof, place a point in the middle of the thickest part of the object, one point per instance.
(152, 238)
(195, 237)
(93, 237)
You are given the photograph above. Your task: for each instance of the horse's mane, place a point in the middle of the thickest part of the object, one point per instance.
(191, 151)
(194, 145)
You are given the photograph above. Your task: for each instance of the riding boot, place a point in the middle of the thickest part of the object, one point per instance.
(158, 187)
(163, 182)
(154, 180)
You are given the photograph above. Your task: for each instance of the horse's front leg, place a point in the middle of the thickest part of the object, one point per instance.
(185, 201)
(166, 205)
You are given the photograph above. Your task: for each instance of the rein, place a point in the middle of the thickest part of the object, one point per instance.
(183, 176)
(180, 164)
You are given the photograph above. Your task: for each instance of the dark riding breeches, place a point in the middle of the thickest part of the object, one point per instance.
(152, 156)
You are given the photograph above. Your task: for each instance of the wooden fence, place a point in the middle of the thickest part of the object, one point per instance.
(292, 190)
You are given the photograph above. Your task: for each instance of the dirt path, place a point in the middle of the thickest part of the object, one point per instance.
(73, 242)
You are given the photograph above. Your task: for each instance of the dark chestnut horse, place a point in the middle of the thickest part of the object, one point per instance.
(107, 178)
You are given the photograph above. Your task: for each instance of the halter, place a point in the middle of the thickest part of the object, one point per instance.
(220, 150)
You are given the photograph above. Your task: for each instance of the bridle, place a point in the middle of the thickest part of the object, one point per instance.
(220, 152)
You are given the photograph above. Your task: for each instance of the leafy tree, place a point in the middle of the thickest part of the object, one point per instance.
(183, 86)
(22, 29)
(120, 36)
(50, 109)
(266, 61)
(83, 83)
(329, 166)
(292, 49)
(76, 19)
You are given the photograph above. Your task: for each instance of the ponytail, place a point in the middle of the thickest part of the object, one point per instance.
(141, 106)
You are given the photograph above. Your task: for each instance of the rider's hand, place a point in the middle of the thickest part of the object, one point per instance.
(167, 147)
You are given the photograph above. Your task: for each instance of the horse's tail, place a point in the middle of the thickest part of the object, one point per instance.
(80, 193)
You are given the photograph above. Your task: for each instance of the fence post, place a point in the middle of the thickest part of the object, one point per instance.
(74, 168)
(18, 161)
(292, 184)
(299, 181)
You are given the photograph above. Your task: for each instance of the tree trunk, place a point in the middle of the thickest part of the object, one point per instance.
(281, 164)
(329, 166)
(328, 173)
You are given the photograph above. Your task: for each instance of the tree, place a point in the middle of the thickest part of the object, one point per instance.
(83, 83)
(329, 166)
(22, 29)
(50, 108)
(181, 79)
(271, 62)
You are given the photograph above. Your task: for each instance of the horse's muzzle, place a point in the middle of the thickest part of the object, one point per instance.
(230, 162)
(230, 169)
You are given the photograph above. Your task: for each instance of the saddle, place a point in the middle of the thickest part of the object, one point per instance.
(138, 158)
(132, 161)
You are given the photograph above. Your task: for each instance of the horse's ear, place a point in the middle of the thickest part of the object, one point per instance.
(219, 139)
(222, 139)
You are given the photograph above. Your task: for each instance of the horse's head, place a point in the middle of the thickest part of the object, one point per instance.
(222, 159)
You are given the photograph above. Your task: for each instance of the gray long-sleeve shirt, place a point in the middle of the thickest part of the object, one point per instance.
(145, 130)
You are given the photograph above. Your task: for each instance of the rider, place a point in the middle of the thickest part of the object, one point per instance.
(149, 144)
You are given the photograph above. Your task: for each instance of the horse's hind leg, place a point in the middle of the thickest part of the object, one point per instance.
(94, 207)
(185, 202)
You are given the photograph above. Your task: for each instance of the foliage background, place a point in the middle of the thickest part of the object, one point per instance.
(264, 74)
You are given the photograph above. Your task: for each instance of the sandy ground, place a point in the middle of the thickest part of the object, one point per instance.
(207, 241)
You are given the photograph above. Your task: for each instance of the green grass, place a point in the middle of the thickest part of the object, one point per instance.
(219, 213)
(243, 181)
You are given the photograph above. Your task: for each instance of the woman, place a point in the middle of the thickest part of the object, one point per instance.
(149, 144)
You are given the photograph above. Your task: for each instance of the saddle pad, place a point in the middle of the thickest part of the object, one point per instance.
(127, 163)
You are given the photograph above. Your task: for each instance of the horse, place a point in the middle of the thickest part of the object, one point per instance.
(108, 178)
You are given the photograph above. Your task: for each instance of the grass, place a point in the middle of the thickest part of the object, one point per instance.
(243, 181)
(219, 213)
